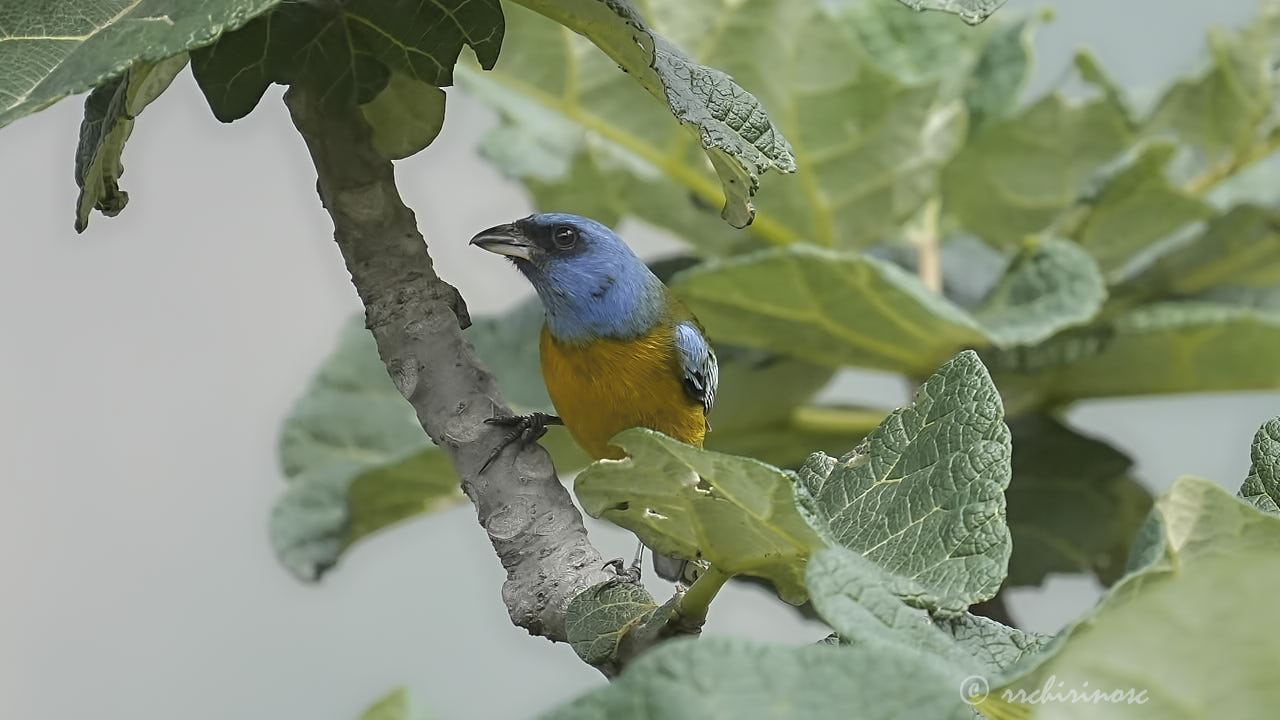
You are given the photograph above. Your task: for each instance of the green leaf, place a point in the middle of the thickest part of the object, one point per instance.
(357, 459)
(1162, 348)
(1051, 285)
(1184, 630)
(861, 600)
(1223, 115)
(344, 49)
(109, 113)
(1262, 487)
(730, 123)
(1001, 73)
(1073, 506)
(1015, 176)
(52, 49)
(870, 133)
(405, 117)
(1135, 208)
(971, 11)
(827, 307)
(923, 495)
(1240, 247)
(995, 645)
(734, 512)
(599, 617)
(730, 677)
(392, 706)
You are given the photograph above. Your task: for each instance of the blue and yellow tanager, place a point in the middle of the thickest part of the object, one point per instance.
(618, 350)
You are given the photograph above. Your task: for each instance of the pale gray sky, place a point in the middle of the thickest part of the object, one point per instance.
(146, 366)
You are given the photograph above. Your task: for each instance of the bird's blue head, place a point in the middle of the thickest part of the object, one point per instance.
(590, 282)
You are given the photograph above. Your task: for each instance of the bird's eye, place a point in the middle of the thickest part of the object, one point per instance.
(565, 237)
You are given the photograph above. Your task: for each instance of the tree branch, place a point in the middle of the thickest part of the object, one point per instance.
(416, 319)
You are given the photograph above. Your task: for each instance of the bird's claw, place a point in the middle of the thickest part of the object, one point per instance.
(622, 574)
(524, 429)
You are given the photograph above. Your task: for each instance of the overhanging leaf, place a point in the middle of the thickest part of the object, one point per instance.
(971, 11)
(1073, 506)
(344, 49)
(923, 495)
(405, 117)
(734, 512)
(109, 113)
(1213, 563)
(732, 126)
(1262, 487)
(1051, 285)
(51, 49)
(873, 117)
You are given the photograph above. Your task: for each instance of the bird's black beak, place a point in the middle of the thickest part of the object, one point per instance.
(505, 240)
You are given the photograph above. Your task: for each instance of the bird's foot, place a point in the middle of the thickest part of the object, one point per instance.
(622, 574)
(524, 429)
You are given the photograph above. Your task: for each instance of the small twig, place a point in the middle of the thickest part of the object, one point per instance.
(417, 320)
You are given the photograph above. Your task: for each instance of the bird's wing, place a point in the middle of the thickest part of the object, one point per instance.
(701, 372)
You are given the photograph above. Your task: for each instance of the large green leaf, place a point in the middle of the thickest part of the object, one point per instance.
(109, 113)
(51, 48)
(1073, 506)
(866, 92)
(1133, 208)
(737, 513)
(729, 677)
(357, 459)
(829, 307)
(1184, 630)
(1015, 176)
(1163, 348)
(862, 602)
(1227, 115)
(730, 123)
(1240, 247)
(1262, 487)
(1051, 285)
(345, 49)
(923, 495)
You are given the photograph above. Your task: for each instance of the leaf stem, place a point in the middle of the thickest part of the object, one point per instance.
(926, 239)
(1210, 178)
(691, 611)
(836, 420)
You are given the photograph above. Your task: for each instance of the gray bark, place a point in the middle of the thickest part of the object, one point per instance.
(417, 320)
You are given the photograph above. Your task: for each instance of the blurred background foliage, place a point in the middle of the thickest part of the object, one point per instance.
(1087, 243)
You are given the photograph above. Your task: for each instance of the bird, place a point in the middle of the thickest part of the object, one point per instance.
(618, 350)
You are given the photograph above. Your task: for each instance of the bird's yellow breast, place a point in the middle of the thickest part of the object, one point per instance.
(606, 386)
